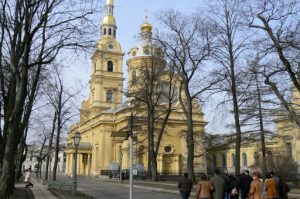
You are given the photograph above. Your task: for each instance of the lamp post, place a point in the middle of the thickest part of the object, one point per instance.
(76, 140)
(131, 157)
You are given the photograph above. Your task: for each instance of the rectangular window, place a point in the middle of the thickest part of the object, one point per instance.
(224, 164)
(109, 96)
(289, 150)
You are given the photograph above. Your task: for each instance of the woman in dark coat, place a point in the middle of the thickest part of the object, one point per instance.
(283, 188)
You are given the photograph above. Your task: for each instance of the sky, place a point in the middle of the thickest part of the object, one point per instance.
(130, 14)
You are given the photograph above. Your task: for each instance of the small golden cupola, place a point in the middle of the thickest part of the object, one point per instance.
(146, 32)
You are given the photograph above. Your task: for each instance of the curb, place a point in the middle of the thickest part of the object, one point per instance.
(57, 194)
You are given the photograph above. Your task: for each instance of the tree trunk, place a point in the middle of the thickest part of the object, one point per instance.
(154, 168)
(7, 172)
(56, 149)
(20, 154)
(151, 138)
(50, 146)
(59, 109)
(261, 126)
(190, 140)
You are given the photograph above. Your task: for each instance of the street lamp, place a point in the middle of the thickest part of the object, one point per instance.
(76, 140)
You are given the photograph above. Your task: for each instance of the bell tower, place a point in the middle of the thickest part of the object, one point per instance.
(107, 77)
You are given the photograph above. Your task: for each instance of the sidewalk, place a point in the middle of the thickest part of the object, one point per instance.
(22, 192)
(41, 191)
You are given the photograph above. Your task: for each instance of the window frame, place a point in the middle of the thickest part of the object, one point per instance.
(109, 95)
(110, 66)
(245, 159)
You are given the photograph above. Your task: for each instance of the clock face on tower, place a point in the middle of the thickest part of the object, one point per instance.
(110, 46)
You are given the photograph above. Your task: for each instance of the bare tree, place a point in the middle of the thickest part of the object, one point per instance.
(226, 16)
(259, 104)
(61, 100)
(33, 32)
(154, 90)
(187, 43)
(279, 23)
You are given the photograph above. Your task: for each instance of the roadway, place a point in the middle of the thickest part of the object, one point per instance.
(104, 190)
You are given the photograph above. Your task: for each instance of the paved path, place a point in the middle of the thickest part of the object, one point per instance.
(104, 190)
(41, 191)
(22, 192)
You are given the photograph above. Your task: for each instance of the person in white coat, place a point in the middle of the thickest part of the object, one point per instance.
(27, 178)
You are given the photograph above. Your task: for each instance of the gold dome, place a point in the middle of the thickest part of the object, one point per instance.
(109, 20)
(146, 27)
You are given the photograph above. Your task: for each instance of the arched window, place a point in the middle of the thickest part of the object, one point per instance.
(224, 164)
(110, 66)
(104, 31)
(133, 77)
(256, 157)
(233, 160)
(114, 32)
(109, 95)
(244, 156)
(109, 31)
(214, 160)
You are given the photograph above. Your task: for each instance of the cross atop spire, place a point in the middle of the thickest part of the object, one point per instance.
(146, 15)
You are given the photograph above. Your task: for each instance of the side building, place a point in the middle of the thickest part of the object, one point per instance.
(34, 156)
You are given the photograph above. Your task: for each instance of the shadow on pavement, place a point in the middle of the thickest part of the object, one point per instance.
(22, 192)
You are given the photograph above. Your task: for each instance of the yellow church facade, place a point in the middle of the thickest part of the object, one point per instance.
(105, 114)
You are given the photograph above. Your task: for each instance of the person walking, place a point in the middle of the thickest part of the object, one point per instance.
(276, 179)
(27, 178)
(185, 186)
(233, 187)
(244, 183)
(218, 183)
(270, 187)
(283, 188)
(204, 188)
(226, 185)
(255, 187)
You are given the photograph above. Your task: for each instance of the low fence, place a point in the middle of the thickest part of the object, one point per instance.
(142, 175)
(64, 185)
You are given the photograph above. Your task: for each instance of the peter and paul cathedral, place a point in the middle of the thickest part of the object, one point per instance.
(105, 113)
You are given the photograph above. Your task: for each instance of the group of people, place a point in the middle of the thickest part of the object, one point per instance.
(231, 187)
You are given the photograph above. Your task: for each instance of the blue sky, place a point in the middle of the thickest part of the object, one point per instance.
(130, 14)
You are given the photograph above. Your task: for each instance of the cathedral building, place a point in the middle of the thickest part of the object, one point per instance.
(105, 114)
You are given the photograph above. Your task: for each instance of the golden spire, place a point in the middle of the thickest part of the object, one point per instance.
(109, 2)
(109, 19)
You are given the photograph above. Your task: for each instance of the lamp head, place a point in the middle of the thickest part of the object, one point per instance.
(77, 138)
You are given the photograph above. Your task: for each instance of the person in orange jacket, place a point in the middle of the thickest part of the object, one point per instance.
(255, 187)
(270, 186)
